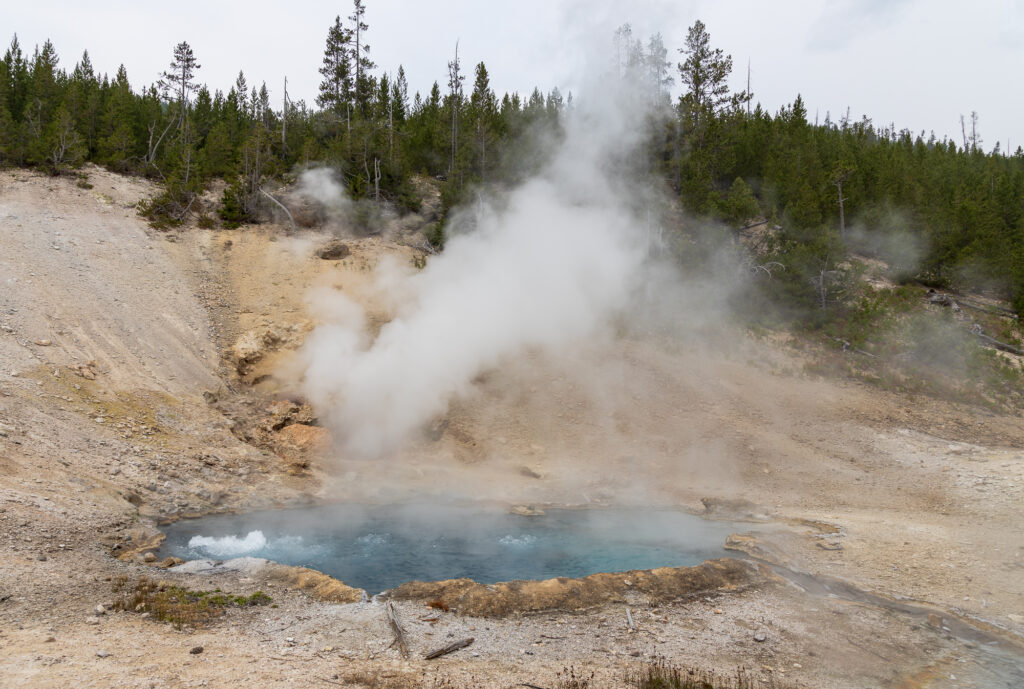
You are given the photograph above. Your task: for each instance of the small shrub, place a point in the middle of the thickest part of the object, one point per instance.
(434, 233)
(178, 605)
(408, 198)
(232, 211)
(205, 221)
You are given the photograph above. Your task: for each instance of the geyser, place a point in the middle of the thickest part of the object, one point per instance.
(377, 548)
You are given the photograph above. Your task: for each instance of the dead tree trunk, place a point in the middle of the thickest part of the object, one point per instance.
(842, 211)
(282, 207)
(284, 120)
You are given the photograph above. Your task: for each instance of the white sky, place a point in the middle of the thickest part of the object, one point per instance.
(917, 63)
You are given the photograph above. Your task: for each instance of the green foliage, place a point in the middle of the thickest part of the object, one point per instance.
(435, 235)
(740, 205)
(872, 314)
(408, 198)
(811, 281)
(893, 339)
(452, 194)
(232, 207)
(178, 605)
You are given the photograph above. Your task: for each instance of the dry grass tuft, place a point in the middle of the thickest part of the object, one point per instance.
(438, 604)
(661, 674)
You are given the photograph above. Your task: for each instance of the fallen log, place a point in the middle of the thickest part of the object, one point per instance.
(396, 628)
(991, 310)
(1001, 346)
(957, 304)
(450, 648)
(847, 347)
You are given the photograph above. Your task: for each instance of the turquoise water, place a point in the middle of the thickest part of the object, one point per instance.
(377, 548)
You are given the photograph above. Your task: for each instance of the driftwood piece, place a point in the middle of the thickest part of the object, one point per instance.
(450, 648)
(629, 620)
(396, 627)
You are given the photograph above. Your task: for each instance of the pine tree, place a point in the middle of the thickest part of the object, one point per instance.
(8, 129)
(336, 87)
(658, 76)
(120, 142)
(400, 96)
(180, 80)
(484, 111)
(703, 110)
(704, 74)
(83, 100)
(44, 97)
(18, 79)
(360, 55)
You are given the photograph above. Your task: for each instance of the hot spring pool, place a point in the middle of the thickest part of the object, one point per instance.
(377, 548)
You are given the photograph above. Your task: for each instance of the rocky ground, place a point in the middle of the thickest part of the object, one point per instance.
(143, 377)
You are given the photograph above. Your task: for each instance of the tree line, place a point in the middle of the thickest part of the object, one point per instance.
(941, 213)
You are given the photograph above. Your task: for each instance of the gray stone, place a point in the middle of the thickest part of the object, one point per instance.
(333, 251)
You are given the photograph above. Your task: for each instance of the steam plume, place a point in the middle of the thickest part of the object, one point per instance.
(551, 264)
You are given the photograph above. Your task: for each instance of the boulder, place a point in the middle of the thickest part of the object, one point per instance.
(333, 250)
